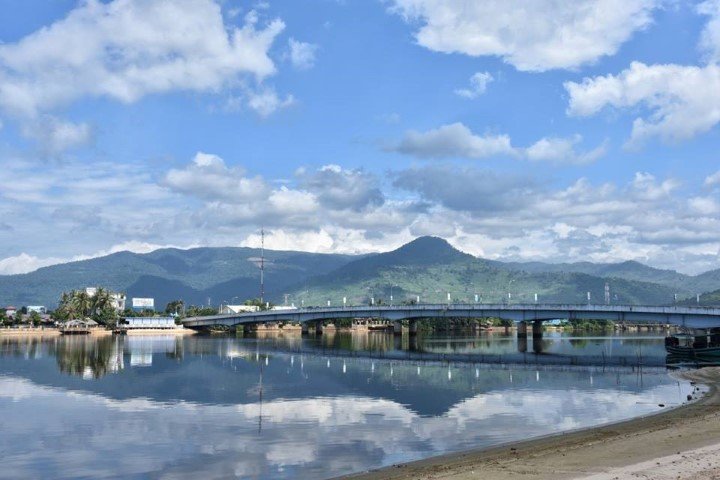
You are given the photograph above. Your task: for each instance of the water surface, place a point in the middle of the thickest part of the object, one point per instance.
(209, 407)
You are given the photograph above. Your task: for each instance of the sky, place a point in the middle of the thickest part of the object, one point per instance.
(550, 130)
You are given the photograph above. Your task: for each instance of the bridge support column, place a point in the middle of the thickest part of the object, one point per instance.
(537, 329)
(522, 343)
(318, 328)
(397, 328)
(304, 328)
(522, 330)
(413, 328)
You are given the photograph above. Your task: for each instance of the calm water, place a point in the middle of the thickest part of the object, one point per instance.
(207, 407)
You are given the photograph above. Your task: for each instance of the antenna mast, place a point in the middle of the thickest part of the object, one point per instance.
(262, 265)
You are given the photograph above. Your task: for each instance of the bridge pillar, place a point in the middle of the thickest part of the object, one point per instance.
(522, 330)
(304, 328)
(318, 328)
(413, 327)
(397, 328)
(537, 329)
(522, 343)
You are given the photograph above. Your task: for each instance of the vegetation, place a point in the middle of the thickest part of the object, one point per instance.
(427, 267)
(77, 304)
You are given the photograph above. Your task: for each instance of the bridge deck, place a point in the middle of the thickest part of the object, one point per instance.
(696, 317)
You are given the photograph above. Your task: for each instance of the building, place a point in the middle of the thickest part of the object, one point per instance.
(143, 303)
(10, 311)
(284, 307)
(37, 309)
(118, 301)
(133, 323)
(234, 309)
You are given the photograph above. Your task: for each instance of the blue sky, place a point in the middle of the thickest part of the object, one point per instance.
(530, 130)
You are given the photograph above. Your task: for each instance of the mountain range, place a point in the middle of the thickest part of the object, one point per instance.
(427, 267)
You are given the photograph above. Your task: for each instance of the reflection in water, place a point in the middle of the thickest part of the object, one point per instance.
(227, 407)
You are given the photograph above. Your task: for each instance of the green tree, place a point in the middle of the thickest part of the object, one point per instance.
(176, 306)
(35, 318)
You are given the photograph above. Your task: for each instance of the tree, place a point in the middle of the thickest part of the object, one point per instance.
(176, 306)
(35, 318)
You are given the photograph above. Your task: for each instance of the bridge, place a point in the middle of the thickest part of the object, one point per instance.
(522, 314)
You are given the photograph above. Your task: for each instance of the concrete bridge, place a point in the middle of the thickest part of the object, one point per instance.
(693, 317)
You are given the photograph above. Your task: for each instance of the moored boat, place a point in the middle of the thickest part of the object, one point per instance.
(700, 343)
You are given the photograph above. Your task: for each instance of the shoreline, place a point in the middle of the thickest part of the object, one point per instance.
(644, 447)
(95, 332)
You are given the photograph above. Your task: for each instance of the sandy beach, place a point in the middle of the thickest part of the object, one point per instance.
(681, 443)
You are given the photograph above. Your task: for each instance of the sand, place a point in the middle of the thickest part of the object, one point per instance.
(681, 443)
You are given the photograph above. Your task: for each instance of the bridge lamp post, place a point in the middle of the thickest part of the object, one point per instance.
(391, 294)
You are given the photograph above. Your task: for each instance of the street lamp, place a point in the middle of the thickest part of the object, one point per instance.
(391, 294)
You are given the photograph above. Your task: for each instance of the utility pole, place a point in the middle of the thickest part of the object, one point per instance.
(607, 293)
(262, 264)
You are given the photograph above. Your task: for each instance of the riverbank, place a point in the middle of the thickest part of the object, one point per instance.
(54, 332)
(682, 443)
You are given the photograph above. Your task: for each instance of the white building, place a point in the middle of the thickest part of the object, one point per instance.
(233, 309)
(132, 323)
(284, 307)
(37, 309)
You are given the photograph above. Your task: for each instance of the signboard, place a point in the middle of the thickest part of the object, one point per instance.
(143, 303)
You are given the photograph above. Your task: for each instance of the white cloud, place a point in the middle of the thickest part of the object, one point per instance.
(478, 84)
(302, 54)
(532, 35)
(454, 140)
(562, 151)
(710, 36)
(704, 205)
(712, 180)
(647, 188)
(24, 263)
(127, 49)
(683, 101)
(266, 101)
(208, 177)
(458, 141)
(56, 135)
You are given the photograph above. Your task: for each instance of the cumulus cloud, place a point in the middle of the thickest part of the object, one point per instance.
(478, 84)
(712, 180)
(454, 140)
(682, 101)
(710, 36)
(208, 177)
(266, 101)
(458, 141)
(125, 50)
(342, 188)
(532, 35)
(562, 151)
(55, 135)
(302, 54)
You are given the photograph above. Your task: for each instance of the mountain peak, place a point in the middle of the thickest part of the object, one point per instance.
(427, 250)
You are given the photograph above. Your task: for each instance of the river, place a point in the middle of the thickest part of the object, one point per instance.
(282, 406)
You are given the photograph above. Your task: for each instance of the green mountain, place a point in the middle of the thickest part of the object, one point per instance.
(682, 284)
(427, 267)
(431, 269)
(195, 275)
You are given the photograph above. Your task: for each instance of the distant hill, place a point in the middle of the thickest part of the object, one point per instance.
(431, 268)
(428, 267)
(168, 274)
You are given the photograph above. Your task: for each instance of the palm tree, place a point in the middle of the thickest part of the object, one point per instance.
(82, 303)
(100, 301)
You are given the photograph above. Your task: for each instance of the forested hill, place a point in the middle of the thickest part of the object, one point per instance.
(428, 267)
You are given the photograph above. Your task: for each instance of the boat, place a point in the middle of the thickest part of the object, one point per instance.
(703, 343)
